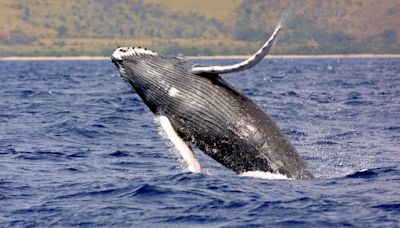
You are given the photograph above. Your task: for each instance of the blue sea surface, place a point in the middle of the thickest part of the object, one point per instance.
(79, 148)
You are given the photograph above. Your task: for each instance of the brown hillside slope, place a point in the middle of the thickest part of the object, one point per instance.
(94, 27)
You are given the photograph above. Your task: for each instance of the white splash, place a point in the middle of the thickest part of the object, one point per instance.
(265, 175)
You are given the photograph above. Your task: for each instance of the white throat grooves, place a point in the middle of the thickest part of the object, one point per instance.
(180, 145)
(248, 63)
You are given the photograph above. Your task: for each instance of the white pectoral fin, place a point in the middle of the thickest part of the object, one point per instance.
(183, 149)
(247, 64)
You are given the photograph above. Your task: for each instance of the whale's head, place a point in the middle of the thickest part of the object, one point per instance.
(137, 62)
(150, 74)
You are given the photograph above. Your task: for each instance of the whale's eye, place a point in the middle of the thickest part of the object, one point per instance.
(123, 50)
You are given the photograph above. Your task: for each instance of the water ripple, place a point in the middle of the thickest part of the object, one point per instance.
(78, 148)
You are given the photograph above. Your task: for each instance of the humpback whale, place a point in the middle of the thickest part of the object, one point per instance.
(195, 104)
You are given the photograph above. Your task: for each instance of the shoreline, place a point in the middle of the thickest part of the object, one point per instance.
(333, 56)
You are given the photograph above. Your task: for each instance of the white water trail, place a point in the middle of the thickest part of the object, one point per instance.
(265, 175)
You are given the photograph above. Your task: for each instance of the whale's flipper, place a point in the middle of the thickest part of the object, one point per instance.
(247, 64)
(181, 146)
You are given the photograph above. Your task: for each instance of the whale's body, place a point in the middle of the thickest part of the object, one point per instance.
(206, 110)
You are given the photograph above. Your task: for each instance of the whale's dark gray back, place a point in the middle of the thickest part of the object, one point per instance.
(208, 111)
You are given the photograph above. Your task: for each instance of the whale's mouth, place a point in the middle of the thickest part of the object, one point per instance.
(119, 64)
(116, 58)
(116, 61)
(121, 69)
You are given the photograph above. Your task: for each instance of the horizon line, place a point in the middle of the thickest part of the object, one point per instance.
(201, 57)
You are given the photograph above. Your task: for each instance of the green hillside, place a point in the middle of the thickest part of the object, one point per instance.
(336, 26)
(197, 27)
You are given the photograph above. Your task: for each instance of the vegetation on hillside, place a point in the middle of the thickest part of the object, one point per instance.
(335, 26)
(197, 27)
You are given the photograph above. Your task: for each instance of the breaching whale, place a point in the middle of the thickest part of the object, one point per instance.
(195, 104)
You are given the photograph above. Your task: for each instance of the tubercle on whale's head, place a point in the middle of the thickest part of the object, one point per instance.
(128, 60)
(129, 54)
(142, 63)
(125, 52)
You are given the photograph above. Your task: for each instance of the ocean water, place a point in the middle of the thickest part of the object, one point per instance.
(79, 148)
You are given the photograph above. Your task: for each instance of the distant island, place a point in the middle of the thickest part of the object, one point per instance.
(198, 27)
